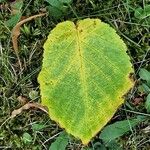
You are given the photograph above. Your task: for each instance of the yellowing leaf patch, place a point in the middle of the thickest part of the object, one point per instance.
(85, 73)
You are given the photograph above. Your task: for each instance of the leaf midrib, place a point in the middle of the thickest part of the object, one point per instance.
(82, 68)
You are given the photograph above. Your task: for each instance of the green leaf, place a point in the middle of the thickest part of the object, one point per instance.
(58, 3)
(58, 7)
(17, 5)
(99, 146)
(66, 1)
(142, 13)
(54, 11)
(82, 81)
(38, 127)
(147, 103)
(2, 1)
(118, 129)
(86, 148)
(13, 20)
(55, 3)
(113, 145)
(60, 143)
(33, 95)
(27, 138)
(16, 9)
(144, 88)
(145, 75)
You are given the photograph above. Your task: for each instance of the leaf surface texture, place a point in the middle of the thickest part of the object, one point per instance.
(85, 73)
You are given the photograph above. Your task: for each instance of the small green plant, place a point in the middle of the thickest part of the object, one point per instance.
(16, 13)
(145, 87)
(58, 8)
(84, 76)
(60, 143)
(27, 138)
(119, 128)
(142, 13)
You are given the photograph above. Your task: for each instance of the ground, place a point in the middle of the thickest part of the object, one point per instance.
(33, 129)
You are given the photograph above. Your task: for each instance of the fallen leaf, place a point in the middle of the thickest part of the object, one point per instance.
(23, 100)
(26, 107)
(16, 33)
(137, 101)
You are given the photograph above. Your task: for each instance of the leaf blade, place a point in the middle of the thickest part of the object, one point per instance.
(145, 75)
(73, 81)
(147, 103)
(118, 129)
(60, 143)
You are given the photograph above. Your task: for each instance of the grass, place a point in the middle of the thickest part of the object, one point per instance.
(14, 82)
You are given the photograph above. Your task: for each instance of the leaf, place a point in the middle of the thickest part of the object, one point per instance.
(86, 148)
(113, 145)
(54, 3)
(27, 138)
(13, 20)
(99, 146)
(58, 7)
(118, 129)
(16, 32)
(17, 5)
(2, 1)
(22, 100)
(58, 3)
(82, 81)
(66, 1)
(147, 103)
(60, 143)
(144, 88)
(38, 127)
(16, 13)
(26, 107)
(33, 95)
(142, 13)
(145, 75)
(55, 12)
(137, 101)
